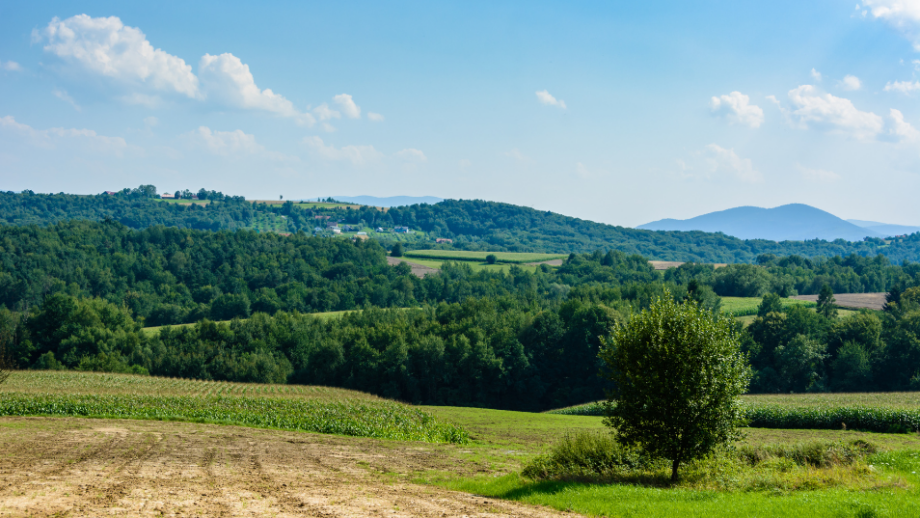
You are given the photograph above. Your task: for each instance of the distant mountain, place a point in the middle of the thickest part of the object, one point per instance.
(885, 229)
(793, 222)
(392, 201)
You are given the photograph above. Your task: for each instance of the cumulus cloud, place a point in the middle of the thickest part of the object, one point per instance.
(229, 79)
(817, 175)
(811, 108)
(736, 108)
(376, 117)
(901, 14)
(106, 46)
(899, 130)
(64, 96)
(10, 66)
(412, 155)
(851, 83)
(905, 87)
(357, 155)
(546, 98)
(348, 106)
(815, 75)
(151, 121)
(82, 139)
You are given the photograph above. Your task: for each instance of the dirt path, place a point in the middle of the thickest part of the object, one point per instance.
(852, 300)
(88, 467)
(419, 270)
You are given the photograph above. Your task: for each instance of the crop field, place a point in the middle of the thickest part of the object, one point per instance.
(158, 446)
(503, 257)
(891, 413)
(298, 408)
(745, 306)
(323, 315)
(476, 266)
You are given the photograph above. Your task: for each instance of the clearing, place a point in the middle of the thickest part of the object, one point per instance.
(501, 257)
(874, 301)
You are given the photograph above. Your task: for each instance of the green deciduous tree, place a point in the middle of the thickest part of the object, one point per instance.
(397, 250)
(826, 302)
(678, 371)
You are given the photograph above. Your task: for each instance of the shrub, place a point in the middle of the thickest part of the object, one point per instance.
(586, 454)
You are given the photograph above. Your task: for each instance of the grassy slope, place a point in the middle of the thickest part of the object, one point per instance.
(476, 266)
(327, 314)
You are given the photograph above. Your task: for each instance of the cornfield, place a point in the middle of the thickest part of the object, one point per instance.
(286, 407)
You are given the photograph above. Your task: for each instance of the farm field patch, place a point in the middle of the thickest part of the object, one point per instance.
(874, 301)
(746, 306)
(476, 266)
(461, 255)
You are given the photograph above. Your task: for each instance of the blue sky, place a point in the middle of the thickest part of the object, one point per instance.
(621, 112)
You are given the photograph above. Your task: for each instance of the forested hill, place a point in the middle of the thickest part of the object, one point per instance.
(476, 224)
(471, 224)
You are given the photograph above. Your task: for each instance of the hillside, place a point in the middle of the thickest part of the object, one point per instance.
(473, 225)
(793, 222)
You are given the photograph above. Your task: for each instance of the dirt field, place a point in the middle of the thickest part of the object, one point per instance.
(664, 265)
(852, 300)
(88, 467)
(419, 270)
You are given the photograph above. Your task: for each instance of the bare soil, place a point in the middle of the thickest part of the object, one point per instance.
(88, 467)
(419, 270)
(852, 300)
(551, 262)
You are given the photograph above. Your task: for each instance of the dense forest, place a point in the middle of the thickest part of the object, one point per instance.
(471, 224)
(76, 295)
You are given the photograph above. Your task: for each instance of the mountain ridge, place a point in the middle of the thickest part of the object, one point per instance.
(790, 222)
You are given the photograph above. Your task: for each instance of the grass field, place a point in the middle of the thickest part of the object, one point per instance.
(475, 265)
(745, 306)
(502, 257)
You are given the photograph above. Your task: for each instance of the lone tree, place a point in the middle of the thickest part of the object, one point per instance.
(826, 302)
(491, 259)
(397, 250)
(678, 370)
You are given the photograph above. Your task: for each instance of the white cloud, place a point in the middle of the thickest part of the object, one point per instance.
(376, 117)
(815, 75)
(901, 14)
(851, 83)
(810, 108)
(412, 155)
(107, 47)
(149, 101)
(81, 139)
(900, 130)
(225, 143)
(818, 175)
(323, 112)
(151, 121)
(464, 163)
(905, 87)
(351, 110)
(229, 79)
(357, 155)
(328, 128)
(64, 96)
(544, 97)
(10, 66)
(736, 108)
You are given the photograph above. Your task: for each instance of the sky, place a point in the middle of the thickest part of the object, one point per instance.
(619, 112)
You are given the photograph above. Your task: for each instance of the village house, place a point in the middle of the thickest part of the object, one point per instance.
(401, 230)
(444, 240)
(167, 196)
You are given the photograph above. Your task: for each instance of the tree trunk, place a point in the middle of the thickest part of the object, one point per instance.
(674, 465)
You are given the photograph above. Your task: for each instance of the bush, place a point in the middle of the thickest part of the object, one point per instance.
(586, 455)
(491, 259)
